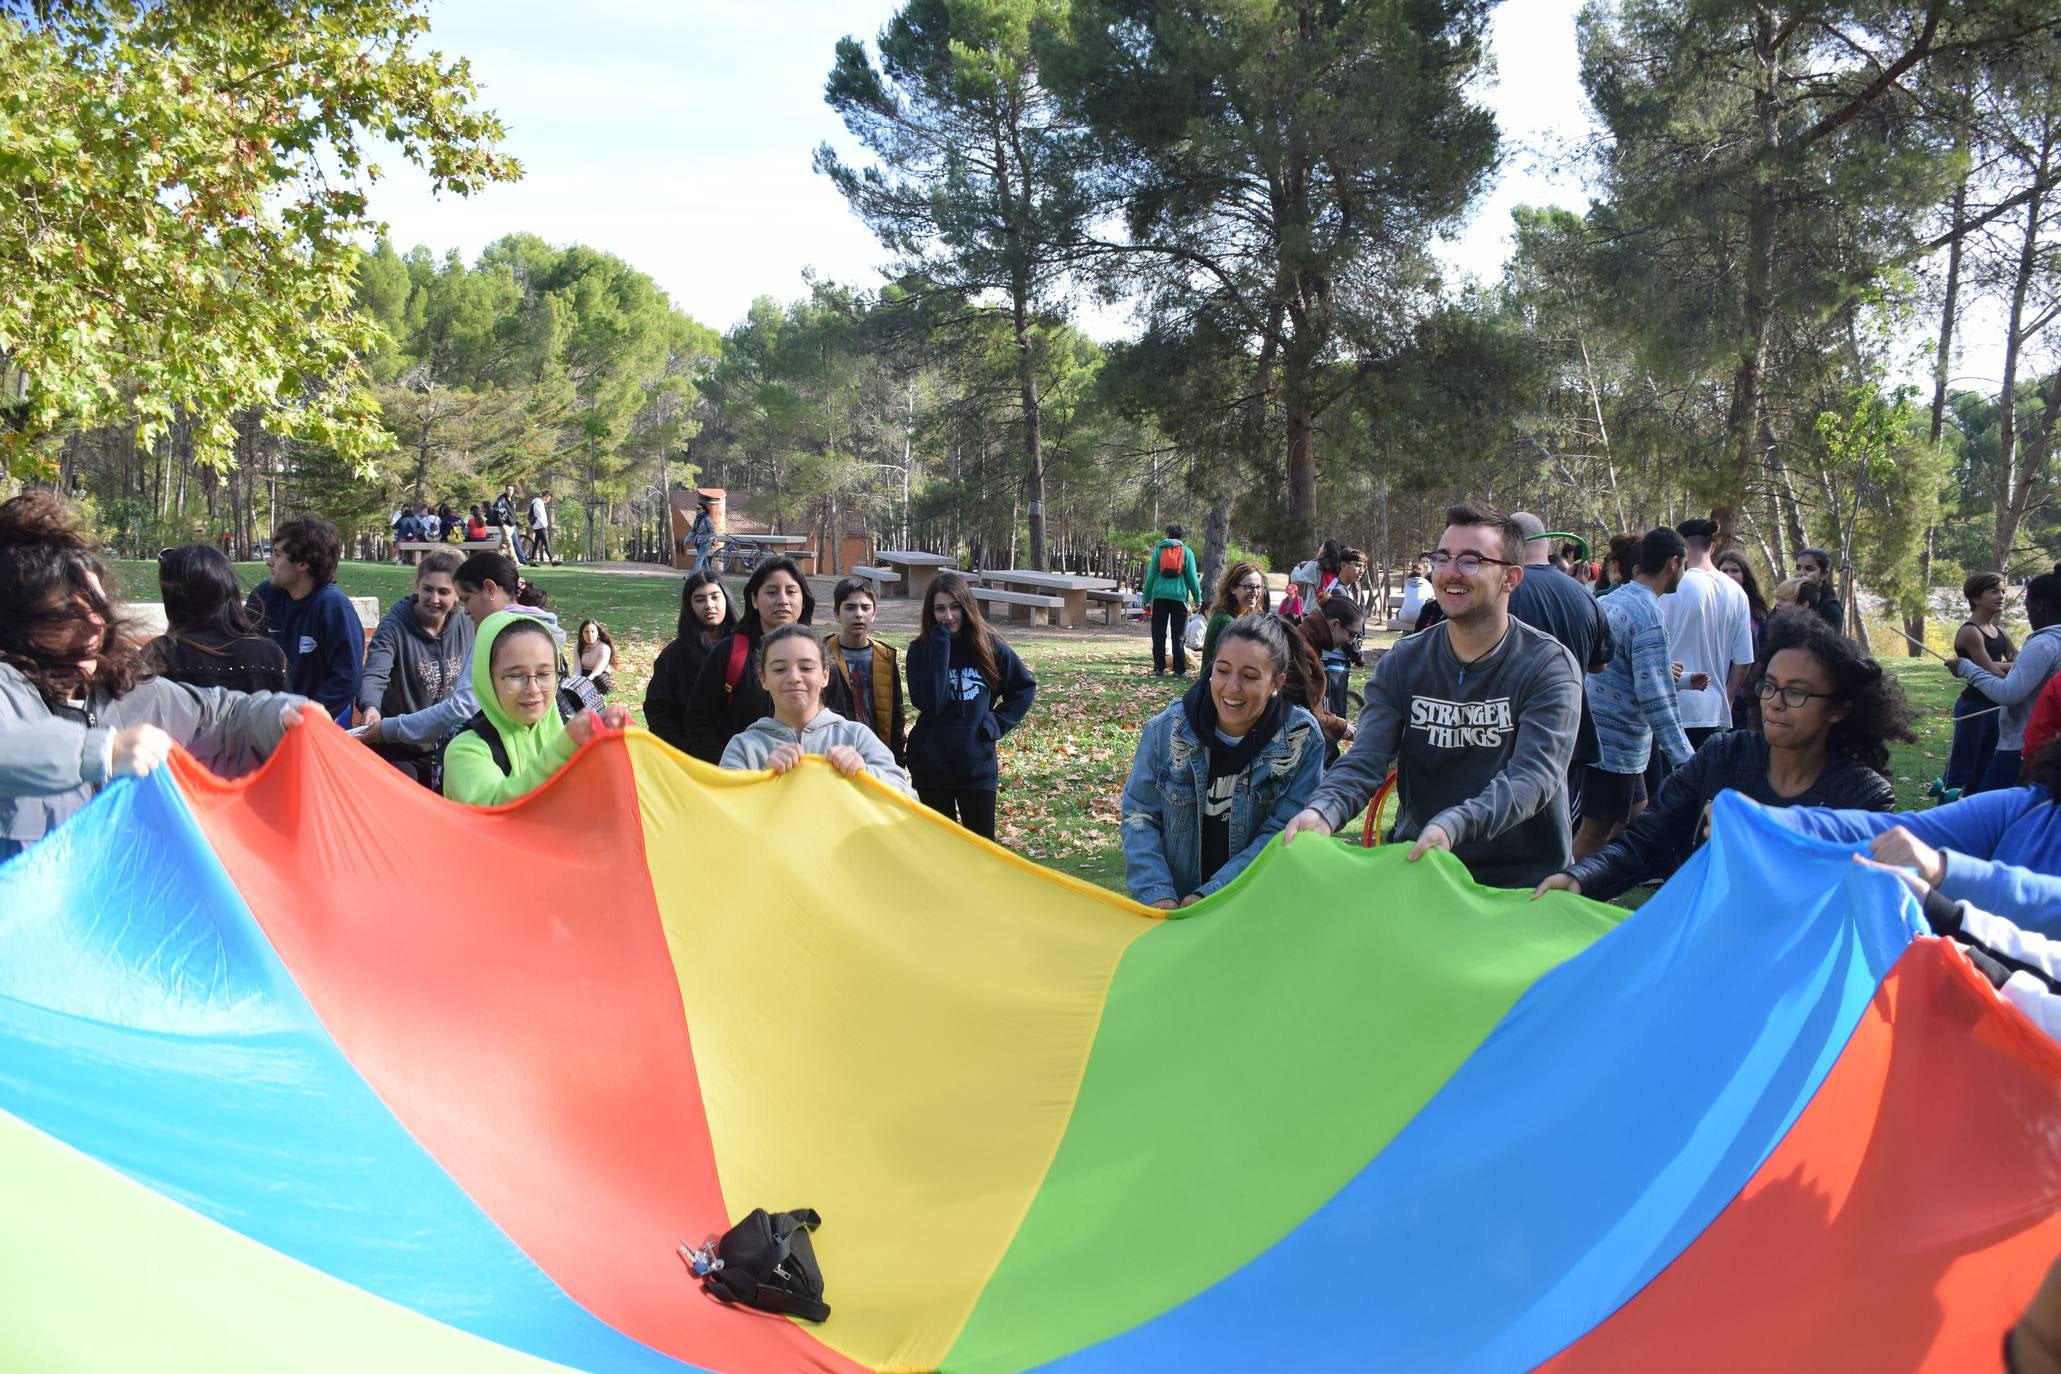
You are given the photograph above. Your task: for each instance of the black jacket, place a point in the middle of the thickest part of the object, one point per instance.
(240, 663)
(1666, 831)
(953, 742)
(672, 684)
(718, 709)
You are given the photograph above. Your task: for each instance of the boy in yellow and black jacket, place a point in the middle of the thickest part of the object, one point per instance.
(865, 674)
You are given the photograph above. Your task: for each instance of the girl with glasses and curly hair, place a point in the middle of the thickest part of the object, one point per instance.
(1828, 713)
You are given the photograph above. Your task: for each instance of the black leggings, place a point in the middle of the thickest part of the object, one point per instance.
(972, 807)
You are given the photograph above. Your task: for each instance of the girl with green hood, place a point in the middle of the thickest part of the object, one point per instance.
(516, 741)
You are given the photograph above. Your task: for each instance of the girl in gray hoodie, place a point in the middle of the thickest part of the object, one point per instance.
(792, 671)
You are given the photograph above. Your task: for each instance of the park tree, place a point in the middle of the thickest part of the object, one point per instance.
(973, 184)
(2019, 258)
(1284, 164)
(182, 191)
(1764, 166)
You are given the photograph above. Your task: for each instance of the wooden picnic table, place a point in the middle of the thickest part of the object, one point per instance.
(1067, 587)
(918, 570)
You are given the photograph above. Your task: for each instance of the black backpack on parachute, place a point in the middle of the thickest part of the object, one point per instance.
(766, 1261)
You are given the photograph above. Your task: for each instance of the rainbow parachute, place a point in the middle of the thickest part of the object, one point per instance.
(315, 1070)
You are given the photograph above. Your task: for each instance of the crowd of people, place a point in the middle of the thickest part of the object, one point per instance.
(497, 521)
(741, 689)
(1554, 724)
(1558, 725)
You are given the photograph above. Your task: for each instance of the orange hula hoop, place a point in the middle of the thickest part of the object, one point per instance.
(1370, 834)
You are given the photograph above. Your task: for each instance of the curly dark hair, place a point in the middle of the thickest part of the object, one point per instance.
(311, 540)
(49, 578)
(1876, 710)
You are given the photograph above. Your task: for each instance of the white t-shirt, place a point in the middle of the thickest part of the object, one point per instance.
(1416, 591)
(1709, 628)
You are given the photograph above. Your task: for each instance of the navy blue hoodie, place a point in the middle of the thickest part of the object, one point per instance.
(324, 643)
(953, 742)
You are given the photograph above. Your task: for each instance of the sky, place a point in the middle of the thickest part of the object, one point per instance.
(678, 136)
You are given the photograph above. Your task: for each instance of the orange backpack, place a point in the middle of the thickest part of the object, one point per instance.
(1172, 557)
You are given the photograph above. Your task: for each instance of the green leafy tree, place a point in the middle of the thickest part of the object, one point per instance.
(974, 180)
(1765, 166)
(182, 189)
(1286, 162)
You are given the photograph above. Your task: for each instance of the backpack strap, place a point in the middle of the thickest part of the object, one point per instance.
(740, 651)
(484, 728)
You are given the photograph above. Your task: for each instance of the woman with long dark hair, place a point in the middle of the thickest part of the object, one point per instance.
(210, 639)
(1242, 591)
(1982, 640)
(1732, 563)
(78, 704)
(727, 697)
(596, 649)
(706, 616)
(1828, 713)
(972, 689)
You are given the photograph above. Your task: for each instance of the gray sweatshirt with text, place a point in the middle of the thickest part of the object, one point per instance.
(1481, 750)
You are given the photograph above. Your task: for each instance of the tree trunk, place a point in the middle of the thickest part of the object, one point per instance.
(1298, 531)
(1033, 436)
(1942, 365)
(2014, 487)
(1216, 547)
(1742, 424)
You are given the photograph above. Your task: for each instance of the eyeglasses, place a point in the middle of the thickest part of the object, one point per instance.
(1252, 586)
(1792, 697)
(518, 681)
(1466, 564)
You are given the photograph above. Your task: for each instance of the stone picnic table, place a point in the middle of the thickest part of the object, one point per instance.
(744, 552)
(918, 570)
(1066, 586)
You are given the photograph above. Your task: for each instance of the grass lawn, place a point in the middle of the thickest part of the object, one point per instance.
(1063, 771)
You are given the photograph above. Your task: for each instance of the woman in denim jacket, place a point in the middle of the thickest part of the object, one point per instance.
(1219, 772)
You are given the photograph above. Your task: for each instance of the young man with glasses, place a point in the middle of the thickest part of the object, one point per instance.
(1479, 715)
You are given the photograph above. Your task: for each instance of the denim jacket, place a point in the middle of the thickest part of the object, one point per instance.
(1162, 805)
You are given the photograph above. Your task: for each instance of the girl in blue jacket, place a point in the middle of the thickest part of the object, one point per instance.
(1220, 772)
(972, 689)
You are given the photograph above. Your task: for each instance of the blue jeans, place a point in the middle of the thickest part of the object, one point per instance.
(701, 558)
(1975, 739)
(2002, 772)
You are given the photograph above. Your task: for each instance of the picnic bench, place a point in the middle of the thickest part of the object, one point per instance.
(1111, 603)
(1072, 591)
(1023, 606)
(422, 546)
(916, 570)
(884, 580)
